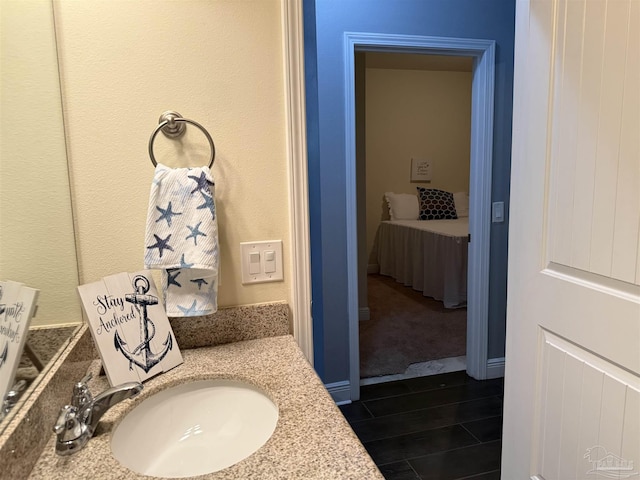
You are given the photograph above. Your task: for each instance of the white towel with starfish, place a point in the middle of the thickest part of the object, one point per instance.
(182, 239)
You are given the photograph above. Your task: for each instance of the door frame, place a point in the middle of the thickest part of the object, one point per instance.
(296, 144)
(482, 110)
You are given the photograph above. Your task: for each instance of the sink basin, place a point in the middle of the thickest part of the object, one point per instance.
(194, 428)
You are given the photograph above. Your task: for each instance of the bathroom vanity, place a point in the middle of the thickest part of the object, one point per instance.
(311, 440)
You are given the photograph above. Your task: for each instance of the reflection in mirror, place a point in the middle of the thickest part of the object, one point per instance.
(17, 305)
(37, 244)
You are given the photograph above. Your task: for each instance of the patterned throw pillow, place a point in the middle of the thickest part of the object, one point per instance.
(436, 204)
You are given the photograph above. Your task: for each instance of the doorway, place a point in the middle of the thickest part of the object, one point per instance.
(483, 54)
(411, 106)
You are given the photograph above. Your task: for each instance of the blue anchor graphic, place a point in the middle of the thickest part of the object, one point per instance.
(4, 354)
(148, 359)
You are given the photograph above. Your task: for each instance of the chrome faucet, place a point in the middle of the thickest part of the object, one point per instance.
(12, 397)
(77, 422)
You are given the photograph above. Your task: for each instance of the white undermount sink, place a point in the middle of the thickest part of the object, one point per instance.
(194, 428)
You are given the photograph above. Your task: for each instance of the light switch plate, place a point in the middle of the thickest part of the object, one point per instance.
(263, 273)
(497, 212)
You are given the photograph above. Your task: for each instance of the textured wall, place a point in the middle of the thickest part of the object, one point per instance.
(217, 62)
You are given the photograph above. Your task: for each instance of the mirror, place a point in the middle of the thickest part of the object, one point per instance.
(37, 241)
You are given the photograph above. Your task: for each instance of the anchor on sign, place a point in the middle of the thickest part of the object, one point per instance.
(4, 354)
(142, 356)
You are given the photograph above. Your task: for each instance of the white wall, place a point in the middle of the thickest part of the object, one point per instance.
(218, 62)
(415, 113)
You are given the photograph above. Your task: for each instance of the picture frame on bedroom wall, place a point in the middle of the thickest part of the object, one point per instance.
(421, 170)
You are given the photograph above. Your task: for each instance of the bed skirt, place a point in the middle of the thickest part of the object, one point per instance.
(428, 261)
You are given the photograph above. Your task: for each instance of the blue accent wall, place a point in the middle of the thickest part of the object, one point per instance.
(326, 21)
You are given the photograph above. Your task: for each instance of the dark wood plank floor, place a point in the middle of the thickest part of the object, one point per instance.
(440, 427)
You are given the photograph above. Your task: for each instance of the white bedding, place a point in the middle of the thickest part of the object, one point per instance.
(428, 255)
(451, 228)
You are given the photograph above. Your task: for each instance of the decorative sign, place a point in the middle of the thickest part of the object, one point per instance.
(17, 306)
(129, 327)
(420, 170)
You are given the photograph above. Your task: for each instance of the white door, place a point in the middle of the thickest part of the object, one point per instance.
(572, 384)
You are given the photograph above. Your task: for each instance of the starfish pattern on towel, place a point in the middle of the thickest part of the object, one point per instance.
(172, 274)
(182, 235)
(192, 311)
(202, 183)
(195, 231)
(161, 244)
(200, 282)
(184, 264)
(181, 192)
(157, 177)
(167, 214)
(206, 294)
(208, 203)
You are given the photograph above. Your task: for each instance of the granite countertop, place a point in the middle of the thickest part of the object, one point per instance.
(312, 439)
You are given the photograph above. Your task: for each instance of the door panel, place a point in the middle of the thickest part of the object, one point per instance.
(583, 405)
(572, 381)
(597, 116)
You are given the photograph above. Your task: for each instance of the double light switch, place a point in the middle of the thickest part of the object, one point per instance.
(261, 261)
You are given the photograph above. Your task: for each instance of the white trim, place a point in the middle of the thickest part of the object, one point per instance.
(364, 314)
(495, 368)
(483, 52)
(482, 99)
(340, 392)
(350, 42)
(295, 111)
(593, 281)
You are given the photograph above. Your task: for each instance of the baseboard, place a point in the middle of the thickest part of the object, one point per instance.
(364, 313)
(373, 268)
(340, 391)
(495, 368)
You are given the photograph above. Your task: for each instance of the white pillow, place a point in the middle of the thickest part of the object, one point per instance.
(461, 201)
(402, 206)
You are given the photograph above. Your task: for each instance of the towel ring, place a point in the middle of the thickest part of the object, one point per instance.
(170, 126)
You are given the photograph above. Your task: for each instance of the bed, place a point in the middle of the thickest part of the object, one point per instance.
(428, 255)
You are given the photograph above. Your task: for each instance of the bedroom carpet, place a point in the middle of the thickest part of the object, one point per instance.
(405, 328)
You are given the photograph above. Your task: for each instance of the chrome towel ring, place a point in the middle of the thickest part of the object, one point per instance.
(172, 125)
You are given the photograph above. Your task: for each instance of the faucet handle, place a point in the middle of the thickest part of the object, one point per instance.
(19, 386)
(84, 380)
(81, 395)
(66, 413)
(67, 426)
(12, 397)
(16, 390)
